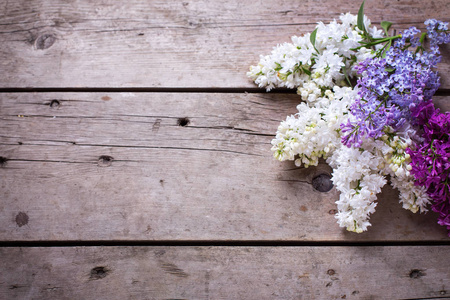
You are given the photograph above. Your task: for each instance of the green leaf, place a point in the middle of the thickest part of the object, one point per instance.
(360, 20)
(346, 76)
(307, 72)
(385, 50)
(386, 25)
(279, 67)
(312, 38)
(422, 37)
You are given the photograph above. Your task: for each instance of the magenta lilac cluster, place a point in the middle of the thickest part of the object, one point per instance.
(395, 91)
(431, 158)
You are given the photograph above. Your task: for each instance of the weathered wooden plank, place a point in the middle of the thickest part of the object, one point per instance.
(225, 273)
(200, 44)
(118, 166)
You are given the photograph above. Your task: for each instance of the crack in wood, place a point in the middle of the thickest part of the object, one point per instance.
(241, 130)
(52, 116)
(428, 298)
(54, 288)
(17, 286)
(173, 269)
(52, 161)
(293, 180)
(124, 160)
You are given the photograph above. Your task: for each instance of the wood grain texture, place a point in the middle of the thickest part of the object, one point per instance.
(225, 273)
(199, 44)
(89, 169)
(118, 166)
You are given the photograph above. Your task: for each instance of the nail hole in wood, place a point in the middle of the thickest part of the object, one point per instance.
(322, 183)
(3, 161)
(183, 122)
(45, 41)
(105, 161)
(99, 273)
(54, 103)
(331, 272)
(332, 211)
(416, 273)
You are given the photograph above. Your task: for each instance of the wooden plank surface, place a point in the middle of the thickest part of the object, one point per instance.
(118, 166)
(225, 273)
(198, 44)
(188, 169)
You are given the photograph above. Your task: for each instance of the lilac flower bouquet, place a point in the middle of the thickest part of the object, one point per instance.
(367, 111)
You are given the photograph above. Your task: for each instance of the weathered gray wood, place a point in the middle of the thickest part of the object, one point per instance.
(225, 273)
(203, 44)
(181, 167)
(118, 166)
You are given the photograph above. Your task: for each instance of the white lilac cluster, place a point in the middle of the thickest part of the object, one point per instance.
(360, 173)
(326, 63)
(320, 69)
(314, 131)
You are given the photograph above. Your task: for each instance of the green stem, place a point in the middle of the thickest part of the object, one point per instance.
(376, 42)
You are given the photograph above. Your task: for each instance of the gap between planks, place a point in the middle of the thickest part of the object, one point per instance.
(145, 90)
(218, 243)
(255, 90)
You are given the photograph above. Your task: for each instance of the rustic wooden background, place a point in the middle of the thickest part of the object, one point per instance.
(135, 160)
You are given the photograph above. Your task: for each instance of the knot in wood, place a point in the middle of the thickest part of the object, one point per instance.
(416, 273)
(22, 219)
(99, 273)
(45, 41)
(322, 183)
(54, 103)
(105, 161)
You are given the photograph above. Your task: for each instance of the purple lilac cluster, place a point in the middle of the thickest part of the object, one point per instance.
(390, 86)
(431, 158)
(437, 32)
(397, 90)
